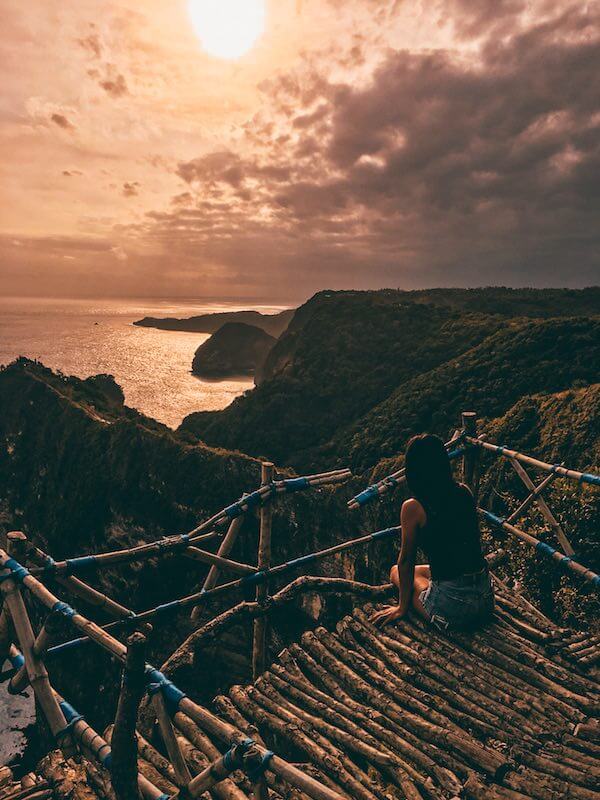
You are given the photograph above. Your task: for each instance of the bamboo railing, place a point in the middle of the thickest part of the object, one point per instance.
(24, 567)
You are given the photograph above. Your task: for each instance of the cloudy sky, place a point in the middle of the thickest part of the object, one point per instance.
(357, 144)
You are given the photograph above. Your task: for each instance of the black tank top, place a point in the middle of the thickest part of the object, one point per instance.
(451, 538)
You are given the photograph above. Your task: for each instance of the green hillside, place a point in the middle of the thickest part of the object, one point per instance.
(558, 428)
(528, 357)
(346, 354)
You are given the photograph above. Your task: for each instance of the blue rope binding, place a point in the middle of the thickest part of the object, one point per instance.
(157, 682)
(64, 608)
(256, 772)
(17, 571)
(80, 564)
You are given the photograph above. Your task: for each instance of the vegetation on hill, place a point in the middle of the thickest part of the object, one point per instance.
(346, 353)
(558, 428)
(528, 357)
(341, 357)
(235, 349)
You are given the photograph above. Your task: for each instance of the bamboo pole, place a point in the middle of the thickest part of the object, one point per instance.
(161, 547)
(224, 550)
(321, 752)
(81, 589)
(51, 628)
(217, 560)
(230, 788)
(564, 561)
(99, 748)
(265, 494)
(249, 580)
(357, 673)
(152, 756)
(535, 492)
(471, 456)
(51, 601)
(543, 507)
(123, 767)
(219, 769)
(151, 765)
(231, 714)
(227, 733)
(350, 738)
(185, 653)
(203, 532)
(572, 474)
(260, 628)
(182, 773)
(289, 680)
(458, 707)
(36, 671)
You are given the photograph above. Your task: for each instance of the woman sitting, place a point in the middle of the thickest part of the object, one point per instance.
(454, 590)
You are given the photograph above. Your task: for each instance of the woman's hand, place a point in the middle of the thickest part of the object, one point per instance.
(387, 614)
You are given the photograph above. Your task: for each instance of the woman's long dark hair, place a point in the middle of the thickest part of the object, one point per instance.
(428, 470)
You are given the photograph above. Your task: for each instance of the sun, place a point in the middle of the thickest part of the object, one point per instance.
(227, 28)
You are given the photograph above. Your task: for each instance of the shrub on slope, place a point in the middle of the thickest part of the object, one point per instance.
(558, 428)
(548, 356)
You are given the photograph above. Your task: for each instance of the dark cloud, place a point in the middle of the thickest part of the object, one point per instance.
(448, 167)
(91, 44)
(61, 121)
(130, 189)
(106, 73)
(114, 84)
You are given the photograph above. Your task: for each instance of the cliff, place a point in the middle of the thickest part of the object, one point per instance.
(354, 366)
(79, 474)
(235, 349)
(273, 324)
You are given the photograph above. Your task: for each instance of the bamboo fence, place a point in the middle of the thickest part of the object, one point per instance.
(376, 715)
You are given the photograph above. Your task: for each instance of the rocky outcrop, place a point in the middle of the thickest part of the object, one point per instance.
(235, 349)
(273, 324)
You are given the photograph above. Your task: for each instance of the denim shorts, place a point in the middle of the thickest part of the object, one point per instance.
(463, 603)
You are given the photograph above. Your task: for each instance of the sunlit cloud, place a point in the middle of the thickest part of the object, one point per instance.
(350, 144)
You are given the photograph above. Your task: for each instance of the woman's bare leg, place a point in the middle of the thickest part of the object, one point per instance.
(421, 582)
(421, 571)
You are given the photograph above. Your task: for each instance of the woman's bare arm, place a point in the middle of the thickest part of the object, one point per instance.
(411, 518)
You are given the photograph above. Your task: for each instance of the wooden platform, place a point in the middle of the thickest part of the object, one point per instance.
(403, 712)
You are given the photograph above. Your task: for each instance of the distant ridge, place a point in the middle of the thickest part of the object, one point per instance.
(273, 324)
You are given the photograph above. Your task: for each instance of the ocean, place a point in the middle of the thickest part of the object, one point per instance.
(153, 367)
